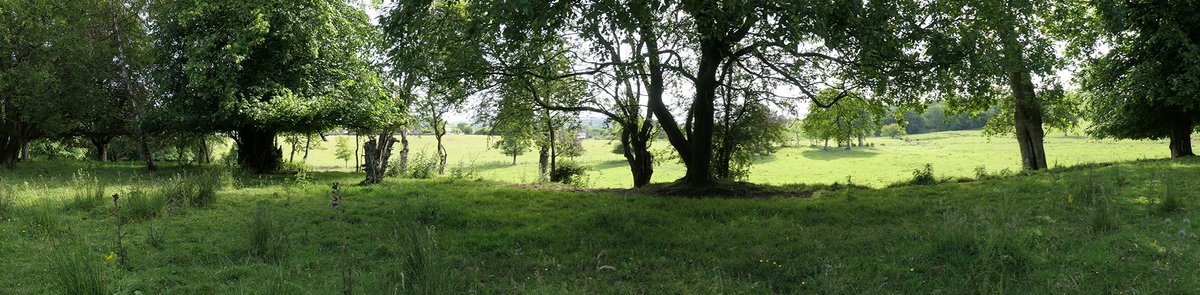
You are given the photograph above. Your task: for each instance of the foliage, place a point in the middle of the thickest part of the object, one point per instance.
(343, 150)
(892, 131)
(570, 172)
(923, 176)
(753, 133)
(852, 117)
(1145, 86)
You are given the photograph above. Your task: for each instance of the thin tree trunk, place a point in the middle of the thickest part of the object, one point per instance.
(1181, 139)
(357, 144)
(544, 162)
(307, 146)
(514, 158)
(403, 151)
(205, 155)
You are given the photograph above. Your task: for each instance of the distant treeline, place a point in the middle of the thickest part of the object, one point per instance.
(935, 119)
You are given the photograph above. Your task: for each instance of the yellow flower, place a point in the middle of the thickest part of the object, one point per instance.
(110, 256)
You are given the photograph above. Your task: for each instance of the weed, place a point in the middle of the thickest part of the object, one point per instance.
(120, 233)
(198, 190)
(923, 176)
(41, 220)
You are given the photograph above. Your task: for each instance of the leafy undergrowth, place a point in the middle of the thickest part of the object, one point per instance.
(1121, 228)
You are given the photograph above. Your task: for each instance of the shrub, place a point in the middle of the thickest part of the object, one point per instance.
(924, 176)
(265, 240)
(568, 172)
(76, 272)
(420, 166)
(981, 172)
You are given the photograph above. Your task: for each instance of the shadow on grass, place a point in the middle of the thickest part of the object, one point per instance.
(834, 154)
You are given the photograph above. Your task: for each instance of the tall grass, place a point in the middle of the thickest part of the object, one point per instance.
(197, 190)
(423, 271)
(74, 271)
(266, 241)
(142, 205)
(87, 193)
(8, 202)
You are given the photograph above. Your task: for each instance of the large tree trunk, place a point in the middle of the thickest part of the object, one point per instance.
(257, 151)
(1027, 113)
(376, 154)
(699, 166)
(860, 140)
(24, 149)
(10, 140)
(635, 143)
(1181, 139)
(101, 144)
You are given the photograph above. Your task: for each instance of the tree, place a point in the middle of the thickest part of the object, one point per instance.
(342, 150)
(423, 41)
(464, 128)
(259, 68)
(747, 133)
(990, 53)
(1145, 87)
(854, 117)
(892, 131)
(853, 45)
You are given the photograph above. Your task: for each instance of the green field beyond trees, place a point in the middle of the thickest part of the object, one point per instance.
(1124, 228)
(952, 154)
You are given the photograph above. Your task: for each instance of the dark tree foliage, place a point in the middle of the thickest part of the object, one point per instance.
(1148, 84)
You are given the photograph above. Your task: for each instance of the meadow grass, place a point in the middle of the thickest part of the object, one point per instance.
(1087, 229)
(951, 154)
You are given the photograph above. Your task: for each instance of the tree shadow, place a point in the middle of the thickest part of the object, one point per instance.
(611, 164)
(838, 153)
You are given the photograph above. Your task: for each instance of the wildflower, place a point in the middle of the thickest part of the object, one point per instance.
(115, 197)
(911, 269)
(110, 256)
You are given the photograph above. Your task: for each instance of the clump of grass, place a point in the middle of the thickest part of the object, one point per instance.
(266, 240)
(1169, 203)
(1002, 261)
(198, 190)
(1093, 194)
(88, 193)
(140, 205)
(76, 272)
(423, 272)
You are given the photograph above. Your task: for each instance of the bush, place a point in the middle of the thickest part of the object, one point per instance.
(569, 172)
(981, 172)
(924, 176)
(464, 172)
(419, 167)
(76, 272)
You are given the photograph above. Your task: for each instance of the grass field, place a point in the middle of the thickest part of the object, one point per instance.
(1117, 229)
(952, 154)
